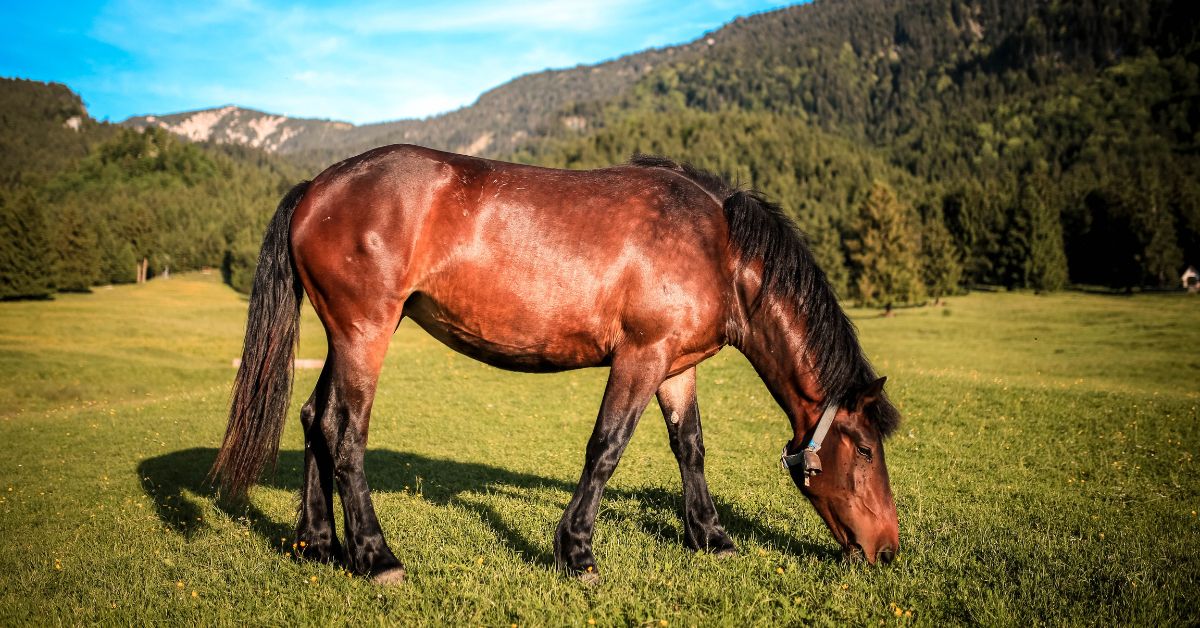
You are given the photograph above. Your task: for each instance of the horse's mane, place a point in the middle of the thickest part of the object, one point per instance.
(760, 230)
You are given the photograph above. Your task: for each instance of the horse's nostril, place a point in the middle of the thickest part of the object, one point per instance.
(886, 555)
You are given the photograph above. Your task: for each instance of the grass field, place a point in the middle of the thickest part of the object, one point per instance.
(1045, 474)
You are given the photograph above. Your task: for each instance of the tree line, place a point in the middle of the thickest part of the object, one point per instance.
(85, 203)
(1020, 144)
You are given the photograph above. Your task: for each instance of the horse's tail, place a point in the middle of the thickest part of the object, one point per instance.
(263, 386)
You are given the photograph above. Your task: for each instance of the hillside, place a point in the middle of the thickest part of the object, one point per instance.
(1020, 143)
(43, 128)
(1031, 143)
(1052, 141)
(83, 202)
(502, 119)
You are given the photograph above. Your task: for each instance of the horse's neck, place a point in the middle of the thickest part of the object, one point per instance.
(774, 341)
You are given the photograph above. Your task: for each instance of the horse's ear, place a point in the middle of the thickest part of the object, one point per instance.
(870, 394)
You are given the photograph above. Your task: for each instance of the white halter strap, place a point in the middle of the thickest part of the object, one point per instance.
(823, 427)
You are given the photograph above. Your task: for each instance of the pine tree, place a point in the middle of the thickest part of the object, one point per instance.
(1159, 256)
(825, 243)
(25, 268)
(1034, 253)
(76, 255)
(942, 268)
(117, 261)
(886, 250)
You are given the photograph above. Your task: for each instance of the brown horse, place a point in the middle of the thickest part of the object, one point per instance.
(648, 268)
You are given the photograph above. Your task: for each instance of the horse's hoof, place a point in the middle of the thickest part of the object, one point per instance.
(728, 552)
(391, 576)
(590, 578)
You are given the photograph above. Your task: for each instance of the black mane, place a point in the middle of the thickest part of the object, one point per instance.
(760, 230)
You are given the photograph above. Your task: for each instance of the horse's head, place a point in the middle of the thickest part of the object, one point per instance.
(850, 487)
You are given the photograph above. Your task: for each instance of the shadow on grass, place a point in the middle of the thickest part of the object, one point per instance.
(168, 479)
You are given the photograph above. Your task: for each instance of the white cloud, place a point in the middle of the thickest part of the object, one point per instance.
(365, 62)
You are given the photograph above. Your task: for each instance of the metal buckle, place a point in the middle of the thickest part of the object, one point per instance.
(807, 460)
(812, 464)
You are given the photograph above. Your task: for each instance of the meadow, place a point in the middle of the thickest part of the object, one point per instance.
(1045, 473)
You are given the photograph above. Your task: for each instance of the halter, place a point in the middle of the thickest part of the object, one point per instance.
(807, 459)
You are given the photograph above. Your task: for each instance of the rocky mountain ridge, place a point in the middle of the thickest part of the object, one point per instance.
(498, 122)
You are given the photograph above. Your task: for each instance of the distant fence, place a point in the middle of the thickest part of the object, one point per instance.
(299, 363)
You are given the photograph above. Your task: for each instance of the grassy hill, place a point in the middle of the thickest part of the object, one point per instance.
(1045, 473)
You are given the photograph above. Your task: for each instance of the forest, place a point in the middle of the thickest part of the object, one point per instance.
(1014, 144)
(84, 203)
(924, 147)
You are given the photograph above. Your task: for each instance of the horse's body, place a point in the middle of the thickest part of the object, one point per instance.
(648, 268)
(586, 257)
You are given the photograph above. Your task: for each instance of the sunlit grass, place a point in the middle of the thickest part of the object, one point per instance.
(1044, 473)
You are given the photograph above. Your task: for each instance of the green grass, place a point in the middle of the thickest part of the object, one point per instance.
(1045, 473)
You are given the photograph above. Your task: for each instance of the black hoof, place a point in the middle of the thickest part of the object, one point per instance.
(582, 568)
(716, 542)
(587, 574)
(390, 577)
(329, 553)
(589, 578)
(728, 552)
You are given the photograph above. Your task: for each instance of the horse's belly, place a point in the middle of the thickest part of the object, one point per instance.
(508, 335)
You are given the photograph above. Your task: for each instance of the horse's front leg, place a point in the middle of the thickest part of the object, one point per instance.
(701, 528)
(631, 382)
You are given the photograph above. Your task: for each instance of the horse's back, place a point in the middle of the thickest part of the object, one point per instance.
(524, 267)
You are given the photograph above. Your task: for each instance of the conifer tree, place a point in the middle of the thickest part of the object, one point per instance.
(25, 267)
(942, 268)
(1159, 257)
(886, 250)
(74, 244)
(1034, 248)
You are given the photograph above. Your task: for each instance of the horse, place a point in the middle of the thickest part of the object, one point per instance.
(648, 268)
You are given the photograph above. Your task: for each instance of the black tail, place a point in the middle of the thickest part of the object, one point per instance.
(263, 386)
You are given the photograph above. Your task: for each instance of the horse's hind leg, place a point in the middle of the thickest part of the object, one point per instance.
(357, 357)
(315, 536)
(701, 528)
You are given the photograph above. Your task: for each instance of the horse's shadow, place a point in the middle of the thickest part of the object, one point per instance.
(168, 479)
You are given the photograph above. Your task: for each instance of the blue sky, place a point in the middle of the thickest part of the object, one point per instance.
(362, 61)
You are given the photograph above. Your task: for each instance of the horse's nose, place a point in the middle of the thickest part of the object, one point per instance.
(885, 555)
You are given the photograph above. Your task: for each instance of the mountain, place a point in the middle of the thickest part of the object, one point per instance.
(84, 202)
(1037, 133)
(501, 120)
(1023, 143)
(234, 125)
(43, 128)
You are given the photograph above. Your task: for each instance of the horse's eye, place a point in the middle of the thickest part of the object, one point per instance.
(865, 452)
